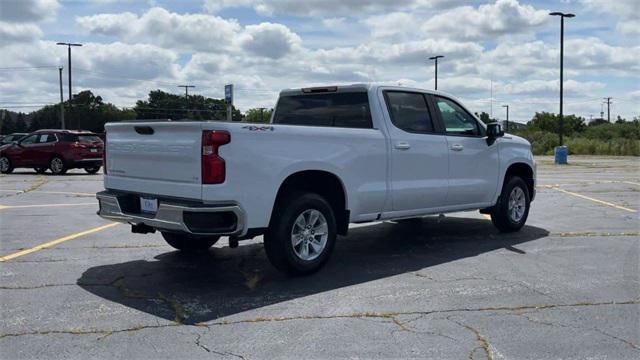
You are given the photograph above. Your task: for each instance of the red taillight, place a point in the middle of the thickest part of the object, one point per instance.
(104, 154)
(213, 167)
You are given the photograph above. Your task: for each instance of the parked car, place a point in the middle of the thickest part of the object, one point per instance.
(330, 156)
(8, 139)
(57, 150)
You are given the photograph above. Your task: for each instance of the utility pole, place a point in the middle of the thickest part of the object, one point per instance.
(608, 100)
(62, 125)
(186, 94)
(436, 65)
(507, 123)
(562, 16)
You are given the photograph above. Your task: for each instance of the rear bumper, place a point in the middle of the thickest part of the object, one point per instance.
(192, 218)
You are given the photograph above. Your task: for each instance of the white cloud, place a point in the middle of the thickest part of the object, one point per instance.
(12, 32)
(504, 17)
(542, 87)
(628, 12)
(167, 29)
(354, 8)
(269, 40)
(593, 54)
(27, 10)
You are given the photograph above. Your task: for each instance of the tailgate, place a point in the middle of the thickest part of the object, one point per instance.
(160, 158)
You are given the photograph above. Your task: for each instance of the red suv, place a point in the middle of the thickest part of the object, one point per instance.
(58, 150)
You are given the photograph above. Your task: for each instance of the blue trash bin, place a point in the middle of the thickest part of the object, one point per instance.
(561, 153)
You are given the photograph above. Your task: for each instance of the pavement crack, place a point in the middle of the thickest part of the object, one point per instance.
(384, 315)
(480, 339)
(549, 323)
(221, 353)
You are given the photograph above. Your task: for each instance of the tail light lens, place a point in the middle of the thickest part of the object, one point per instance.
(104, 154)
(213, 166)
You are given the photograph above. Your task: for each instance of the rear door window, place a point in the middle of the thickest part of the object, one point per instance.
(409, 111)
(46, 138)
(348, 109)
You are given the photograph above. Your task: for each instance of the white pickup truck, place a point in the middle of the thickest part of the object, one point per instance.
(329, 157)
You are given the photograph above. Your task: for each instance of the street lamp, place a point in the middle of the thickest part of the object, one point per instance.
(69, 45)
(436, 64)
(562, 16)
(507, 123)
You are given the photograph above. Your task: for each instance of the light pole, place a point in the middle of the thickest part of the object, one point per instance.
(562, 16)
(507, 123)
(69, 45)
(436, 64)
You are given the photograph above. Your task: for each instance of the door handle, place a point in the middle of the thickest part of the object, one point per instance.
(457, 147)
(402, 145)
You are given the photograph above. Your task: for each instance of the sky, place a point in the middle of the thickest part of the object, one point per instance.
(502, 52)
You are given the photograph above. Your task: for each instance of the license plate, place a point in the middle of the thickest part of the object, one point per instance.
(149, 205)
(94, 150)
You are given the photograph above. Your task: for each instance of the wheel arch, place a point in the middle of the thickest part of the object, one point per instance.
(324, 183)
(525, 172)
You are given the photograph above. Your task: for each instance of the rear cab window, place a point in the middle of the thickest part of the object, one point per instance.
(333, 109)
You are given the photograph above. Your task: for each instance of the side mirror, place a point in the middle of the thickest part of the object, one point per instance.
(494, 131)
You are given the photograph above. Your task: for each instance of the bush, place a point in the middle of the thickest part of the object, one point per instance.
(621, 138)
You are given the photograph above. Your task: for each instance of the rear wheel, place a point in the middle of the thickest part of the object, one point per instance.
(512, 210)
(92, 170)
(5, 165)
(301, 235)
(40, 170)
(57, 166)
(189, 243)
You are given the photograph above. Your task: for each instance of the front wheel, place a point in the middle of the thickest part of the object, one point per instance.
(189, 243)
(512, 210)
(92, 170)
(57, 166)
(5, 165)
(301, 235)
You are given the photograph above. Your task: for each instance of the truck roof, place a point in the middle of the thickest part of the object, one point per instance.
(356, 87)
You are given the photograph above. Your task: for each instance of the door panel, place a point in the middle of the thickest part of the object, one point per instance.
(473, 164)
(24, 154)
(419, 156)
(473, 170)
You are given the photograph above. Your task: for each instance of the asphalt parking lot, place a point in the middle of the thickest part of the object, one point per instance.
(566, 286)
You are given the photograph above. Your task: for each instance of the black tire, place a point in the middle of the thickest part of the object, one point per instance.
(92, 170)
(40, 170)
(6, 167)
(500, 215)
(189, 243)
(57, 166)
(278, 238)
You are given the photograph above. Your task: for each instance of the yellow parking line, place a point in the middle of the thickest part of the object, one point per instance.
(50, 192)
(594, 200)
(56, 242)
(2, 207)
